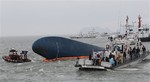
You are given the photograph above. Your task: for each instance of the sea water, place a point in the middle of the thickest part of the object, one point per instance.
(63, 71)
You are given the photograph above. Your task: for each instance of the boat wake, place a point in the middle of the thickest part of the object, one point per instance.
(146, 61)
(128, 69)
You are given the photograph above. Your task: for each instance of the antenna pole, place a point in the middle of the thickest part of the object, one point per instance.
(127, 24)
(139, 23)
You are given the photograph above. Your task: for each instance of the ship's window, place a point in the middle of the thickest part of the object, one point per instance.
(142, 32)
(147, 29)
(131, 29)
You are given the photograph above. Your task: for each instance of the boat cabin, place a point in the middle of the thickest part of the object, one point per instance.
(143, 32)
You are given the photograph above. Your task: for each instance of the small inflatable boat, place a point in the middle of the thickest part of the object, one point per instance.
(8, 59)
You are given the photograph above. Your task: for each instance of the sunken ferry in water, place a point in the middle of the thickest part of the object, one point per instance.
(55, 48)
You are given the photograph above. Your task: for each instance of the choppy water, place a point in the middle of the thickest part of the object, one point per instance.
(63, 71)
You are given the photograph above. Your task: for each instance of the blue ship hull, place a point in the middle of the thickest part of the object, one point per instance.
(57, 47)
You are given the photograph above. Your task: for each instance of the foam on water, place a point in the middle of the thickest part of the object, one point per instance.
(129, 69)
(41, 70)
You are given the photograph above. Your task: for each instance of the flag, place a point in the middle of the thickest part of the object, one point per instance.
(97, 55)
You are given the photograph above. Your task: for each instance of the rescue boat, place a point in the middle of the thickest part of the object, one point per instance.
(8, 59)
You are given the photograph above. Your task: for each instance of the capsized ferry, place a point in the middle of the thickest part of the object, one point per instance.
(54, 47)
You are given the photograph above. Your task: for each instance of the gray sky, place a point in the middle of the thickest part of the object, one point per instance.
(62, 17)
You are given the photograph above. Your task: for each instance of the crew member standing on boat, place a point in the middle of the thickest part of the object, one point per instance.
(111, 60)
(140, 47)
(130, 53)
(25, 55)
(12, 53)
(124, 56)
(144, 49)
(90, 57)
(133, 52)
(107, 53)
(115, 57)
(124, 53)
(138, 52)
(107, 47)
(103, 56)
(16, 56)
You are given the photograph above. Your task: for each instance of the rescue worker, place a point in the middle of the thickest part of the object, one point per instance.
(130, 53)
(144, 49)
(133, 52)
(137, 52)
(12, 53)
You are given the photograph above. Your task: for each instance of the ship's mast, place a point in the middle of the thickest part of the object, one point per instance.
(128, 28)
(127, 24)
(139, 22)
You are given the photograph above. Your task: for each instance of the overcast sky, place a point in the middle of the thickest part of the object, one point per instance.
(62, 17)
